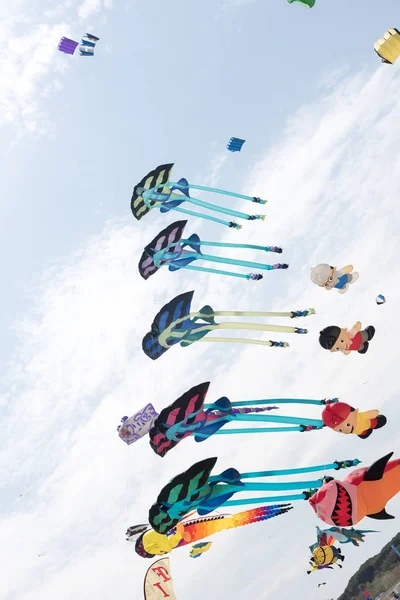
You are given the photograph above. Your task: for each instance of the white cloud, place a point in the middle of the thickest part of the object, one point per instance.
(26, 61)
(90, 7)
(333, 181)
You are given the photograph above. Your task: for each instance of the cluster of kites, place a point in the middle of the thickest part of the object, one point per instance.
(185, 512)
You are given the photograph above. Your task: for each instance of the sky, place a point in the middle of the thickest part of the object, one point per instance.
(171, 83)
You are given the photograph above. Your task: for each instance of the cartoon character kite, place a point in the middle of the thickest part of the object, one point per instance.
(330, 278)
(169, 249)
(175, 324)
(156, 190)
(335, 339)
(343, 418)
(325, 556)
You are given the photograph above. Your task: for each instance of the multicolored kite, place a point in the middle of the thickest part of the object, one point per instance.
(88, 44)
(196, 489)
(169, 249)
(325, 553)
(190, 416)
(325, 557)
(175, 324)
(199, 549)
(155, 190)
(327, 537)
(363, 493)
(150, 543)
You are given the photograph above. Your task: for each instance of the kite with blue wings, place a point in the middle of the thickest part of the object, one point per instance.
(168, 248)
(88, 44)
(156, 190)
(235, 144)
(175, 324)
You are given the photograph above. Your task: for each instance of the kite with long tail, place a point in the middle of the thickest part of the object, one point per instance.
(168, 248)
(156, 190)
(150, 543)
(189, 415)
(196, 489)
(175, 324)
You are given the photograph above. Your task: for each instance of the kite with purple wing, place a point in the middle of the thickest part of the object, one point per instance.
(168, 248)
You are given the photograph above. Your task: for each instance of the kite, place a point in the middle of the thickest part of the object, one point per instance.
(67, 46)
(196, 489)
(327, 537)
(329, 277)
(151, 543)
(325, 556)
(88, 44)
(137, 426)
(335, 339)
(190, 416)
(307, 3)
(199, 549)
(363, 493)
(343, 418)
(235, 144)
(158, 581)
(323, 583)
(388, 46)
(155, 190)
(380, 299)
(174, 324)
(169, 249)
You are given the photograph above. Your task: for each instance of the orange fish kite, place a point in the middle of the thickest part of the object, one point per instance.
(363, 493)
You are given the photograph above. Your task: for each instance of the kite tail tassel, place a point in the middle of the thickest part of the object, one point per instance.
(345, 464)
(254, 276)
(300, 330)
(256, 515)
(259, 200)
(276, 249)
(309, 493)
(278, 344)
(234, 225)
(304, 428)
(327, 401)
(256, 217)
(302, 313)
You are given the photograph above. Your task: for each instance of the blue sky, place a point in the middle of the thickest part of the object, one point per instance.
(172, 82)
